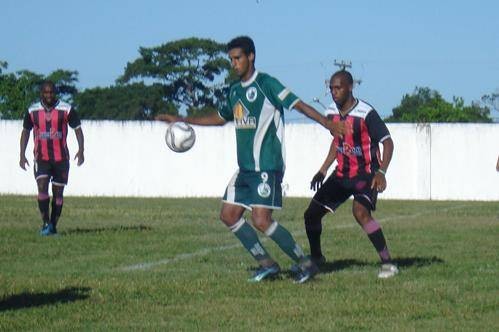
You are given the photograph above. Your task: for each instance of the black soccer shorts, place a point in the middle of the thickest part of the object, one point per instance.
(336, 190)
(57, 172)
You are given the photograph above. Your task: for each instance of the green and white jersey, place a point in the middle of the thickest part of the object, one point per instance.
(257, 109)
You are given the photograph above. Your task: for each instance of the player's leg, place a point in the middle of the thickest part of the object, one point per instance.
(232, 216)
(43, 198)
(59, 181)
(304, 268)
(362, 206)
(313, 226)
(42, 177)
(327, 199)
(57, 202)
(262, 220)
(266, 195)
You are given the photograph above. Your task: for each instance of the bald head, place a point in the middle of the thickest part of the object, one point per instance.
(341, 86)
(344, 75)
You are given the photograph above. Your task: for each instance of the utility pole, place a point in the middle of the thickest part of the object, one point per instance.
(343, 65)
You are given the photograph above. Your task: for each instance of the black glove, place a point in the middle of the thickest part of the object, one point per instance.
(316, 182)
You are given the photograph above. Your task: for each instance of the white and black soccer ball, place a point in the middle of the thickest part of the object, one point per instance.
(180, 137)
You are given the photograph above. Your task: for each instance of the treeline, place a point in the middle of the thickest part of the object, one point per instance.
(193, 75)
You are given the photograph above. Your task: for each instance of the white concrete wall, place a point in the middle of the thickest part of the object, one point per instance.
(437, 161)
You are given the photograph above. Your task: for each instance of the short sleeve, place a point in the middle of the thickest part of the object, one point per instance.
(74, 119)
(377, 127)
(27, 122)
(225, 111)
(279, 93)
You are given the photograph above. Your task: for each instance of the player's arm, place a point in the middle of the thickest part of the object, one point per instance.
(318, 178)
(379, 181)
(23, 144)
(27, 126)
(336, 128)
(81, 146)
(212, 119)
(75, 123)
(330, 158)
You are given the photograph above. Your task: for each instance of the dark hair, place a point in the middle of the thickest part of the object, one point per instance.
(243, 42)
(48, 82)
(345, 74)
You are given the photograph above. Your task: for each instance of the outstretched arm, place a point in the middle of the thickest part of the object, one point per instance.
(79, 137)
(379, 180)
(212, 119)
(23, 144)
(336, 128)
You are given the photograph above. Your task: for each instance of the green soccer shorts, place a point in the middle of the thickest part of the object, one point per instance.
(250, 189)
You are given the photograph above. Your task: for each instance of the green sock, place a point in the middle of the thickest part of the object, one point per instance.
(285, 241)
(248, 237)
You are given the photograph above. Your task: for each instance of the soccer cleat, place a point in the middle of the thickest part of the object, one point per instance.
(387, 270)
(307, 270)
(265, 272)
(48, 230)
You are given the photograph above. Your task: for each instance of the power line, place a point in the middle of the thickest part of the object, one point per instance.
(343, 65)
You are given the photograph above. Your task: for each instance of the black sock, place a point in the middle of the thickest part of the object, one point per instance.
(56, 210)
(313, 225)
(43, 206)
(314, 240)
(378, 240)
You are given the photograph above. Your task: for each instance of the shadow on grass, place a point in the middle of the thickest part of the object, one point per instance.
(403, 262)
(417, 261)
(29, 300)
(138, 228)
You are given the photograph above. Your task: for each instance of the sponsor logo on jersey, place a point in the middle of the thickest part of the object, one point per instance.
(50, 135)
(251, 94)
(349, 150)
(242, 118)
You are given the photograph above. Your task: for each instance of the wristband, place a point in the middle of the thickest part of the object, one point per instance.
(381, 171)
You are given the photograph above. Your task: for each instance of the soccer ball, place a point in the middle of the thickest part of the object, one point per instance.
(180, 137)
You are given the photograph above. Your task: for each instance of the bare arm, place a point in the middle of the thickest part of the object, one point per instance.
(212, 119)
(318, 178)
(379, 181)
(81, 146)
(336, 128)
(331, 156)
(23, 144)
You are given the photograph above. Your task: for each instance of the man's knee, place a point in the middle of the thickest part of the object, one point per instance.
(314, 213)
(261, 218)
(360, 212)
(230, 214)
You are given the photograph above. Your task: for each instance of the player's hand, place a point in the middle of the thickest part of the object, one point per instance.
(316, 182)
(379, 182)
(337, 128)
(23, 162)
(167, 118)
(81, 158)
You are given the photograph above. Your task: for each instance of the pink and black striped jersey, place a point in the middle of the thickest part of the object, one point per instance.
(358, 153)
(50, 129)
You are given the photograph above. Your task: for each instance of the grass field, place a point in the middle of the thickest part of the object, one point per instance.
(169, 264)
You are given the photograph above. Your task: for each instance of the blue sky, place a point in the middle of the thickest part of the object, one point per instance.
(394, 46)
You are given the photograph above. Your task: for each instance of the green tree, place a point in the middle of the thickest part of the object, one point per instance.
(20, 89)
(124, 102)
(426, 105)
(492, 100)
(192, 72)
